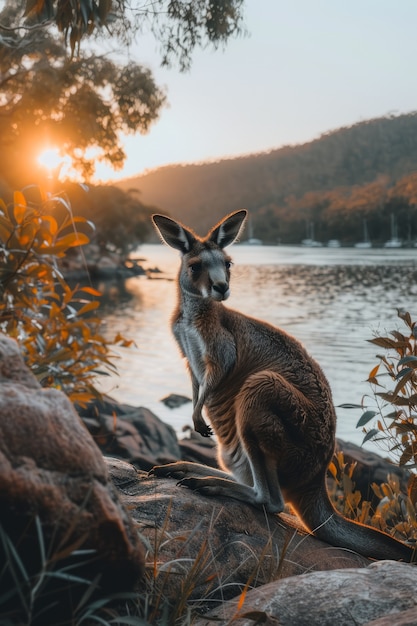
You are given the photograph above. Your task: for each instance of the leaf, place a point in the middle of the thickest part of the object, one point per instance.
(20, 206)
(406, 456)
(412, 488)
(408, 360)
(348, 405)
(386, 342)
(26, 233)
(91, 291)
(377, 491)
(403, 372)
(373, 372)
(405, 427)
(370, 435)
(399, 336)
(405, 316)
(90, 306)
(333, 470)
(6, 229)
(365, 418)
(62, 244)
(402, 382)
(50, 223)
(396, 400)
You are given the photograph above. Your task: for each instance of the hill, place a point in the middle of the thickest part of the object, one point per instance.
(286, 184)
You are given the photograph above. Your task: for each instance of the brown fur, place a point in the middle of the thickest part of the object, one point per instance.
(267, 400)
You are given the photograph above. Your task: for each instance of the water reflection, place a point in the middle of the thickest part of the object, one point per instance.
(333, 308)
(115, 294)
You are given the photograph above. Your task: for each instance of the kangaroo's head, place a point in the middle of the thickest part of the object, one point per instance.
(205, 267)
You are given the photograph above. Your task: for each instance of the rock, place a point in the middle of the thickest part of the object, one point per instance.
(132, 433)
(402, 618)
(372, 596)
(175, 400)
(137, 435)
(216, 545)
(198, 449)
(54, 488)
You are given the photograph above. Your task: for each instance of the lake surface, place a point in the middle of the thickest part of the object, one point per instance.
(332, 300)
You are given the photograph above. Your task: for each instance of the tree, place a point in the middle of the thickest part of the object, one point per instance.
(79, 104)
(121, 220)
(178, 25)
(87, 101)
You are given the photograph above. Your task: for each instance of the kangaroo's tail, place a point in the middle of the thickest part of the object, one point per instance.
(317, 512)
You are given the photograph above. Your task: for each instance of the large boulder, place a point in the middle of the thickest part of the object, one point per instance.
(383, 594)
(215, 546)
(55, 495)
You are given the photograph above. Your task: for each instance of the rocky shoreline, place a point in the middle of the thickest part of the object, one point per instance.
(81, 480)
(137, 435)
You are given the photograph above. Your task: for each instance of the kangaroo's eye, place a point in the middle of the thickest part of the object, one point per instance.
(228, 264)
(195, 268)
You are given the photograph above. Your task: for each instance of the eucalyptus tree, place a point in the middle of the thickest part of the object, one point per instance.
(57, 86)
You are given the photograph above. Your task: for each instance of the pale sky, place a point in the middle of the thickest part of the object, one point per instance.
(306, 67)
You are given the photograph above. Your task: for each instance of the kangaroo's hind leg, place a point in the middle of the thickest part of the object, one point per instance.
(186, 469)
(252, 463)
(262, 491)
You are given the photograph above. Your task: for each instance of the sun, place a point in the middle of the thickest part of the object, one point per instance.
(50, 158)
(58, 166)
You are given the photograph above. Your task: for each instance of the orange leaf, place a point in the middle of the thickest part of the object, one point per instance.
(20, 206)
(88, 307)
(373, 372)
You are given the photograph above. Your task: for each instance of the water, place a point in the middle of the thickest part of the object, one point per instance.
(333, 300)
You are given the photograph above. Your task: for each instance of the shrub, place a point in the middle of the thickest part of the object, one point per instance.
(53, 322)
(392, 423)
(394, 385)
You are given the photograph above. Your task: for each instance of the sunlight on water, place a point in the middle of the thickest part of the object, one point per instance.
(332, 300)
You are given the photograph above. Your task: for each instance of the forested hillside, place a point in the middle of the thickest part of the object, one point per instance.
(337, 181)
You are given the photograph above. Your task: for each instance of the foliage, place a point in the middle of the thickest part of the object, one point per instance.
(61, 342)
(38, 594)
(365, 172)
(84, 104)
(170, 587)
(121, 220)
(394, 384)
(395, 512)
(392, 423)
(179, 25)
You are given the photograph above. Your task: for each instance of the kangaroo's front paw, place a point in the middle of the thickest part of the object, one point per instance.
(200, 425)
(205, 431)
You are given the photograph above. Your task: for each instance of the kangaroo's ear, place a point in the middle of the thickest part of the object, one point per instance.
(173, 233)
(228, 229)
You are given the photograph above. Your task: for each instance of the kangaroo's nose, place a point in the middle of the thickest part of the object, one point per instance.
(220, 288)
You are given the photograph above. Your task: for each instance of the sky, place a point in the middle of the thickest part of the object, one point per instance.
(305, 67)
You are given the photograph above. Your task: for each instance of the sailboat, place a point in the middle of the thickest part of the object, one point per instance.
(394, 242)
(310, 242)
(366, 243)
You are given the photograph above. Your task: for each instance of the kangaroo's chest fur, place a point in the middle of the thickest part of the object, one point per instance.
(204, 341)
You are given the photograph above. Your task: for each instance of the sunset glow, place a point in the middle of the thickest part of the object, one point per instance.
(50, 158)
(57, 165)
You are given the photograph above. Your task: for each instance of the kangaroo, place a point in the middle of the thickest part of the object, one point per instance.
(268, 402)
